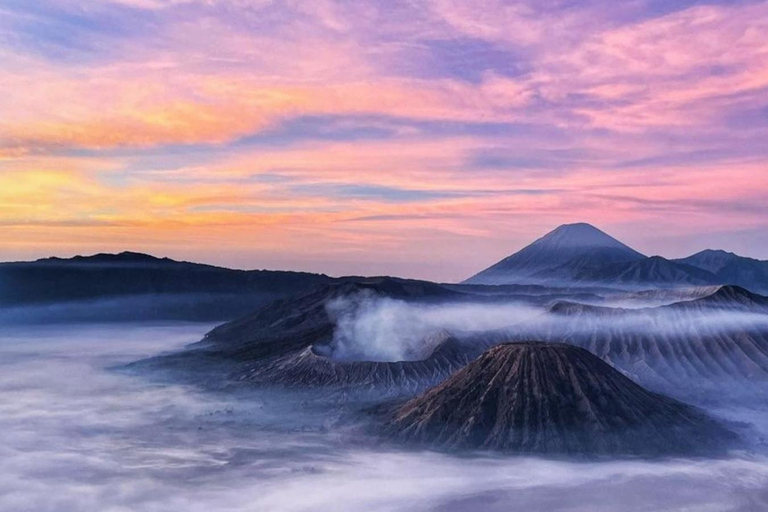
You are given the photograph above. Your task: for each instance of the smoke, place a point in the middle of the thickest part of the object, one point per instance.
(79, 438)
(374, 328)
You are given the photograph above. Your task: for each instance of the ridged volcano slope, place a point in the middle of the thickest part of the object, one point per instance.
(552, 398)
(654, 272)
(712, 348)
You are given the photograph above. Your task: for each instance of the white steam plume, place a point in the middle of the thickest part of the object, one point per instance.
(374, 328)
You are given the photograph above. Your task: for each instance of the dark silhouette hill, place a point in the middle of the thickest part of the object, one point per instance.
(140, 286)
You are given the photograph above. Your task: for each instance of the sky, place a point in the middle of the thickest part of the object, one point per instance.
(420, 138)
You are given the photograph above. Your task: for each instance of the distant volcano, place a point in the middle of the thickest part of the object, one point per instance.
(552, 398)
(562, 252)
(580, 255)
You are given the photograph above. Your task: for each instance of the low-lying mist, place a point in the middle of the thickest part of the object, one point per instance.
(78, 437)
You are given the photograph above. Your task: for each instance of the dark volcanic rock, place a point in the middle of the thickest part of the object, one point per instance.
(310, 368)
(552, 398)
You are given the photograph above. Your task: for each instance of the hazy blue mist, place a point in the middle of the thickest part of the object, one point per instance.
(77, 437)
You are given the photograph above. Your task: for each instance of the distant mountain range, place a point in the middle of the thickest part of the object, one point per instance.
(133, 286)
(582, 255)
(730, 268)
(574, 260)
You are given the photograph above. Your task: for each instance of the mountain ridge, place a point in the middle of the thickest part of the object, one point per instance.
(87, 288)
(728, 267)
(582, 255)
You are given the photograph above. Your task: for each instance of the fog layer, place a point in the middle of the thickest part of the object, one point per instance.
(77, 437)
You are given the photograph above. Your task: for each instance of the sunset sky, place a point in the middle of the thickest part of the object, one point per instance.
(417, 138)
